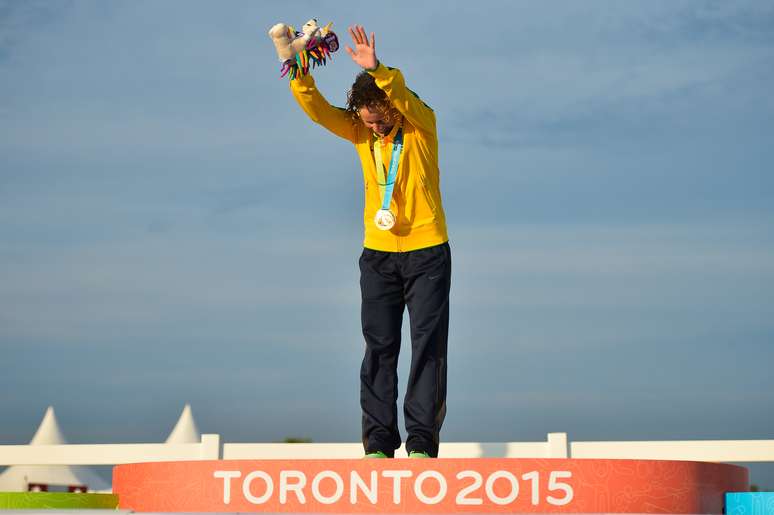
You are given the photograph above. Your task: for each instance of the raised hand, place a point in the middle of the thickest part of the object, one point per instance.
(364, 54)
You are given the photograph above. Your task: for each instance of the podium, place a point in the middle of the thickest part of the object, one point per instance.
(476, 485)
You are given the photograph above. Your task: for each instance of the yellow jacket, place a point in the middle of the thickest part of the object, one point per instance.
(416, 199)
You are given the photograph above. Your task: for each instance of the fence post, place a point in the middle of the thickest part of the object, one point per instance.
(557, 445)
(210, 447)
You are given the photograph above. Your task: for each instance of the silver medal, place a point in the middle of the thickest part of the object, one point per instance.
(384, 219)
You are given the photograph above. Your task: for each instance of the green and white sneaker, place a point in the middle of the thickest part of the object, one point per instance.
(376, 454)
(418, 454)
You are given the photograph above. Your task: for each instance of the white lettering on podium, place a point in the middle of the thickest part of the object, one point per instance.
(442, 487)
(227, 476)
(316, 487)
(553, 484)
(297, 487)
(489, 487)
(534, 476)
(247, 483)
(462, 496)
(501, 487)
(356, 483)
(396, 476)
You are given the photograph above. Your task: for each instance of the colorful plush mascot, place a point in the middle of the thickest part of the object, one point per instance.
(297, 51)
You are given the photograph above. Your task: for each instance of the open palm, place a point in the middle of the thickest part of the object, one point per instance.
(364, 54)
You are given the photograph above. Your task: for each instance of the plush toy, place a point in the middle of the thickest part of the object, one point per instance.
(297, 51)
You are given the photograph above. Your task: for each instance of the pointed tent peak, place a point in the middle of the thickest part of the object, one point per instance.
(185, 430)
(48, 432)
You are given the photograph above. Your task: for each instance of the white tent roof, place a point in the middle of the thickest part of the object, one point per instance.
(17, 477)
(185, 430)
(48, 432)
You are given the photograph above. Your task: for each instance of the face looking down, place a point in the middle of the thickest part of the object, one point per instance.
(378, 119)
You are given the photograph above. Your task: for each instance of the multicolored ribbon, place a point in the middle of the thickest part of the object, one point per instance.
(387, 184)
(317, 52)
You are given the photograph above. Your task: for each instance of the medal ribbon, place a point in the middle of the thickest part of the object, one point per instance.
(387, 184)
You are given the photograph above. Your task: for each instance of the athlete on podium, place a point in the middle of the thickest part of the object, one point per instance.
(406, 259)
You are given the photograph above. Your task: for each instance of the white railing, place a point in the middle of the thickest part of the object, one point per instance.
(691, 450)
(110, 454)
(555, 446)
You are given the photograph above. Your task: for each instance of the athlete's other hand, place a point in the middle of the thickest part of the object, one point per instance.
(364, 54)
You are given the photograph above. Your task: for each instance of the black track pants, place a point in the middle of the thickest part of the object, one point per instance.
(390, 281)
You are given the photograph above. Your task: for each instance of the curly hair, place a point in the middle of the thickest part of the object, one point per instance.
(365, 93)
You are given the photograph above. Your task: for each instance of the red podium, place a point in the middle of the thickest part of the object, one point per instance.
(479, 485)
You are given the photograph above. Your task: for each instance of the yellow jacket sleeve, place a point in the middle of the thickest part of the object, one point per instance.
(391, 81)
(335, 119)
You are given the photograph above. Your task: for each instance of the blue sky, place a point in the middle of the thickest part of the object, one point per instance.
(173, 229)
